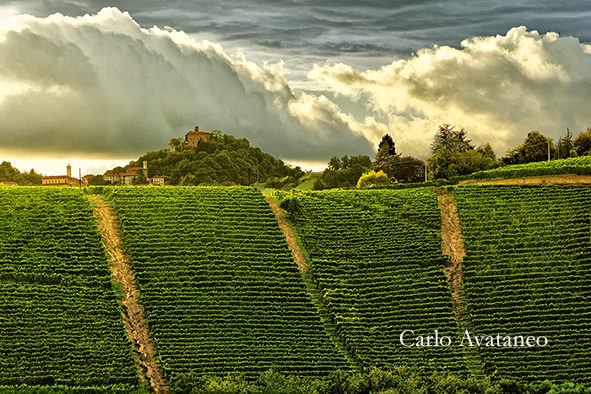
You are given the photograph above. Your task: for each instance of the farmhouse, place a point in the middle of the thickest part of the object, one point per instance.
(159, 180)
(192, 138)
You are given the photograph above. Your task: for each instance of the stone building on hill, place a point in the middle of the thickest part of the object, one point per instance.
(192, 138)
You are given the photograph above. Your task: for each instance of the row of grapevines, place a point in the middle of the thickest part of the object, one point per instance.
(60, 322)
(574, 165)
(219, 285)
(376, 254)
(527, 273)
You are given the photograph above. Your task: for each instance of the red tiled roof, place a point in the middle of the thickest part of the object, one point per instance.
(57, 177)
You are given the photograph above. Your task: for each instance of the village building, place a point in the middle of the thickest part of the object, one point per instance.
(8, 183)
(160, 180)
(113, 178)
(192, 138)
(61, 180)
(133, 173)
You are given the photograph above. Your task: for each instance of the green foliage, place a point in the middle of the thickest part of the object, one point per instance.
(98, 181)
(453, 155)
(348, 172)
(373, 178)
(10, 174)
(405, 169)
(61, 389)
(221, 160)
(292, 205)
(451, 140)
(534, 148)
(582, 144)
(447, 164)
(375, 381)
(387, 143)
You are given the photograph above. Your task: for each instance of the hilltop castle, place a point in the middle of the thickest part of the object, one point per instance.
(192, 138)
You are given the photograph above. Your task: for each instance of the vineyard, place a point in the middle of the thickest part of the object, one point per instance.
(376, 255)
(221, 292)
(60, 322)
(527, 272)
(219, 285)
(574, 165)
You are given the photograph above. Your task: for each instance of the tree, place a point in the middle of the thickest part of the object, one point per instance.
(454, 155)
(447, 164)
(334, 163)
(450, 139)
(373, 178)
(387, 142)
(141, 178)
(98, 181)
(175, 144)
(582, 144)
(11, 174)
(534, 148)
(386, 157)
(487, 151)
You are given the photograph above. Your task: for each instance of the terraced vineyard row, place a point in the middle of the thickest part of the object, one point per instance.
(218, 283)
(527, 273)
(574, 165)
(60, 322)
(377, 256)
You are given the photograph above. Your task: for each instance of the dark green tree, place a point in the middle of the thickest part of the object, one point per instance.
(533, 149)
(450, 139)
(10, 174)
(582, 144)
(388, 143)
(334, 163)
(452, 154)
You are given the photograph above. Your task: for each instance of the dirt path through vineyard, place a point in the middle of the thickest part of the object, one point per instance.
(135, 324)
(453, 246)
(296, 252)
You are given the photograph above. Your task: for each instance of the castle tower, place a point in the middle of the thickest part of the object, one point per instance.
(69, 171)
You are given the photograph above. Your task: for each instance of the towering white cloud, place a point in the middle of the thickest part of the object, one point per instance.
(102, 86)
(497, 88)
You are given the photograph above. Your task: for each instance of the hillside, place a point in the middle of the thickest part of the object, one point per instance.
(222, 294)
(221, 160)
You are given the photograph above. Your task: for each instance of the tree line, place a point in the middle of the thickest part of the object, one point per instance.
(452, 154)
(10, 174)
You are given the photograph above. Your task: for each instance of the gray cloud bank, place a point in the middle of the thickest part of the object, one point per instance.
(102, 86)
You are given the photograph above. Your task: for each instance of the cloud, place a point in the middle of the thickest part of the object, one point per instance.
(101, 86)
(498, 88)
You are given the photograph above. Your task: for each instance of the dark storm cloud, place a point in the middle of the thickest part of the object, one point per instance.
(349, 30)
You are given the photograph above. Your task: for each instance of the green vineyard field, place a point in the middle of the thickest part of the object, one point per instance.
(60, 322)
(574, 165)
(222, 293)
(527, 271)
(219, 285)
(376, 255)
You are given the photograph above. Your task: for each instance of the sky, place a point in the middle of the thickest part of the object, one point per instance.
(96, 83)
